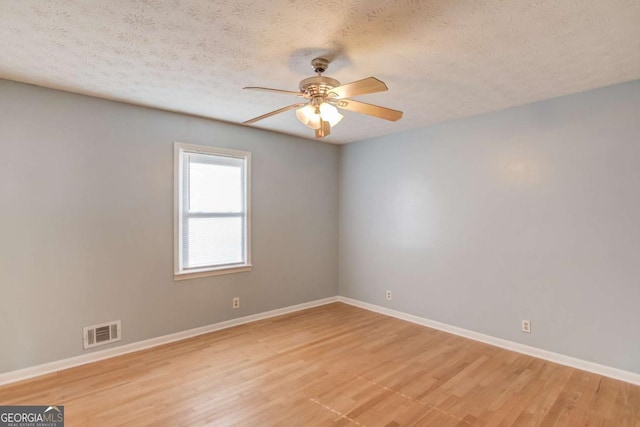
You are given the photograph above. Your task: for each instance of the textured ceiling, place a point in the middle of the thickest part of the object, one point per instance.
(441, 59)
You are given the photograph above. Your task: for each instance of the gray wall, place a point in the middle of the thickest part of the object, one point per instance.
(529, 213)
(86, 223)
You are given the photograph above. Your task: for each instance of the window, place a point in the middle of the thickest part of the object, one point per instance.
(212, 211)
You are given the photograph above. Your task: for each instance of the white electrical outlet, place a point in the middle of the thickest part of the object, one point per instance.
(236, 302)
(388, 295)
(526, 326)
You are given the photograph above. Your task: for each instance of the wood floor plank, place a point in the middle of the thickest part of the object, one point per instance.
(334, 365)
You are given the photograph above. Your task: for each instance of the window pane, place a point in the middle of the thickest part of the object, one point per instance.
(212, 210)
(214, 241)
(215, 188)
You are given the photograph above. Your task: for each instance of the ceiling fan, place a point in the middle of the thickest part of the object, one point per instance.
(324, 94)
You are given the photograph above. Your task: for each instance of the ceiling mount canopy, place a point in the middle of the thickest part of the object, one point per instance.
(325, 95)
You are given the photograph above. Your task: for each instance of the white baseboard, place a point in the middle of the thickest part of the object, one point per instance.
(561, 359)
(47, 368)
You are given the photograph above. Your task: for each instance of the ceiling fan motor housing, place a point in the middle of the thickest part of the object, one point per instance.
(318, 86)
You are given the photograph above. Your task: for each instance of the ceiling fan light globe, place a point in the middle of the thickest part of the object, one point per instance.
(330, 114)
(314, 122)
(307, 115)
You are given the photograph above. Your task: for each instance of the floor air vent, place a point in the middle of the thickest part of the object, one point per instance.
(102, 334)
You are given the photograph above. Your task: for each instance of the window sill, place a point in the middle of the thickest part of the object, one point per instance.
(195, 274)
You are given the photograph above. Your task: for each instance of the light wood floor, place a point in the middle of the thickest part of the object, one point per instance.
(331, 365)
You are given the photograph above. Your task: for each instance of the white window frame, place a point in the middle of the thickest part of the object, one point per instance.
(179, 272)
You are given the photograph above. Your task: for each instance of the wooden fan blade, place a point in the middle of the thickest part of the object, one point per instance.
(323, 130)
(266, 89)
(360, 87)
(273, 113)
(370, 109)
